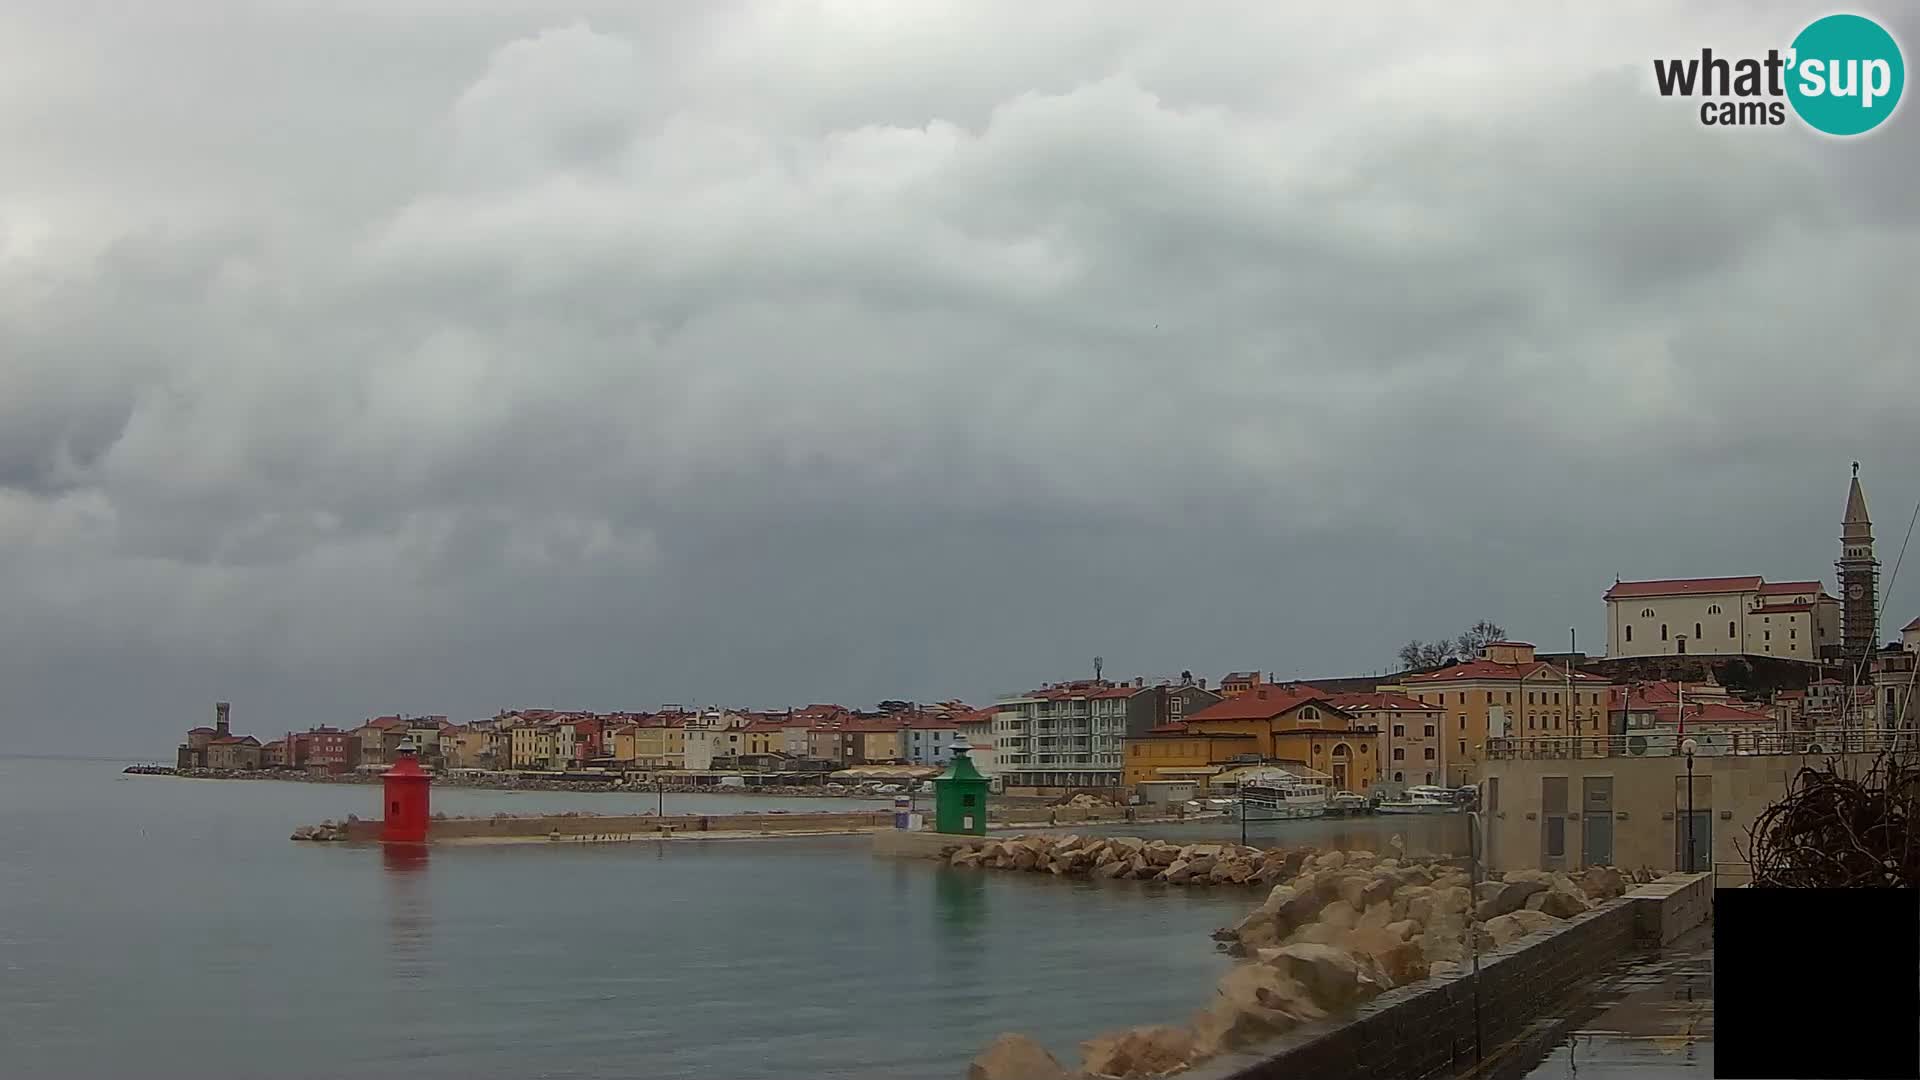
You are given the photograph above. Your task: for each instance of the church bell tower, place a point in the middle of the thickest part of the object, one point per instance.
(1859, 574)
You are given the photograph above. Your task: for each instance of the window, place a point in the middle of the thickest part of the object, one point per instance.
(1463, 748)
(1714, 609)
(1429, 731)
(1178, 706)
(1767, 635)
(1530, 698)
(1730, 632)
(1399, 777)
(1646, 613)
(1509, 697)
(1556, 699)
(1663, 631)
(1399, 731)
(1696, 631)
(1463, 697)
(1399, 753)
(1629, 631)
(1363, 748)
(1309, 713)
(1463, 723)
(1793, 635)
(1429, 753)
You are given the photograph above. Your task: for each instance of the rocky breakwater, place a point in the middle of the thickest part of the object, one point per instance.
(1131, 858)
(1344, 928)
(326, 831)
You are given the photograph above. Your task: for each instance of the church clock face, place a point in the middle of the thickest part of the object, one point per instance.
(1856, 591)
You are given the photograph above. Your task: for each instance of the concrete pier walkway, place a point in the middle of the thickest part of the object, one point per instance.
(1648, 1019)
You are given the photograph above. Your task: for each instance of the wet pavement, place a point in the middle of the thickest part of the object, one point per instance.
(1651, 1018)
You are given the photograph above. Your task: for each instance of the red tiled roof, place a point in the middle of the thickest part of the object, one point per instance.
(1489, 669)
(1263, 703)
(1355, 703)
(768, 726)
(1241, 677)
(932, 723)
(1179, 728)
(1684, 586)
(1791, 588)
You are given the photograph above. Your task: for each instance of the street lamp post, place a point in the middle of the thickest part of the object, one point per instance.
(1687, 747)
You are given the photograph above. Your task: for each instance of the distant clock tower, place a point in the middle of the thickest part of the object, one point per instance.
(1859, 574)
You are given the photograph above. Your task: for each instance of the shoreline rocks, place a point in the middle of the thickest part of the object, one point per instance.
(1336, 929)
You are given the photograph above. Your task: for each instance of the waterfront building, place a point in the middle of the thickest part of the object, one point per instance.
(764, 737)
(659, 742)
(326, 749)
(233, 753)
(1505, 692)
(1409, 742)
(1173, 754)
(1548, 805)
(1296, 724)
(380, 738)
(976, 728)
(927, 739)
(1072, 734)
(278, 753)
(1893, 689)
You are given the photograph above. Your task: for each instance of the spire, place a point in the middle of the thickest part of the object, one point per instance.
(1856, 499)
(1856, 524)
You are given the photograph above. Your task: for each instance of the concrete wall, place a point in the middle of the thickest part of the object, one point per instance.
(1430, 1028)
(1649, 803)
(634, 825)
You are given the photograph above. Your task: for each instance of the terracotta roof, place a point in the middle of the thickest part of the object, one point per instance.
(236, 740)
(1786, 588)
(1177, 729)
(933, 723)
(1383, 700)
(1911, 627)
(1264, 703)
(1510, 644)
(765, 726)
(1684, 586)
(1489, 669)
(1241, 676)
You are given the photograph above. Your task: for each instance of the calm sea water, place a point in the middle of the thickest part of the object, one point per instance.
(154, 926)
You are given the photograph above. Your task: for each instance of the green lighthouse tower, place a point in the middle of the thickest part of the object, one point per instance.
(960, 796)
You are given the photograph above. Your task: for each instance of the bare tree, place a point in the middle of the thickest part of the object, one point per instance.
(1417, 655)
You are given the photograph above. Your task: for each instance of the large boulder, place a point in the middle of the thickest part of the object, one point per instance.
(1562, 902)
(1201, 865)
(1109, 870)
(1161, 853)
(1440, 969)
(1415, 901)
(1511, 897)
(1332, 860)
(1451, 899)
(1361, 860)
(1064, 845)
(1015, 1057)
(1267, 995)
(1177, 873)
(965, 857)
(1023, 858)
(1506, 929)
(1138, 1052)
(1332, 977)
(1602, 883)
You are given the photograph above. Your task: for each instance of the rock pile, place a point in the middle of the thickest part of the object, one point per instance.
(326, 830)
(1339, 929)
(1130, 857)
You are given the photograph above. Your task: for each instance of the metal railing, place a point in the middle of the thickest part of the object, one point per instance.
(1707, 744)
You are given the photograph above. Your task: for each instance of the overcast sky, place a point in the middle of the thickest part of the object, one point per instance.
(449, 355)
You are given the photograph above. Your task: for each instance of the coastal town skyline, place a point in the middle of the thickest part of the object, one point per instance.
(646, 354)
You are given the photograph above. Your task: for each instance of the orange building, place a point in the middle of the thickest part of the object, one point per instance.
(1299, 724)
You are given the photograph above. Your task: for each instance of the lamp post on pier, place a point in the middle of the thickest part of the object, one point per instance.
(1687, 747)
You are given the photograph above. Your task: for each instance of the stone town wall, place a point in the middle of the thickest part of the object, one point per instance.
(1429, 1027)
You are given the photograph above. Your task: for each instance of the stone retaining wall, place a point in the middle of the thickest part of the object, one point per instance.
(1429, 1028)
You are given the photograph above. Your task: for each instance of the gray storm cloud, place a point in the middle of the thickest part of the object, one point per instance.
(766, 352)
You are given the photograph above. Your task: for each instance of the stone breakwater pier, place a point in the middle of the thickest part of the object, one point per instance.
(1336, 931)
(608, 828)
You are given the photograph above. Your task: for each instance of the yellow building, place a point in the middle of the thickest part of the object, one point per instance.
(535, 746)
(1506, 693)
(1297, 724)
(1172, 752)
(662, 746)
(764, 737)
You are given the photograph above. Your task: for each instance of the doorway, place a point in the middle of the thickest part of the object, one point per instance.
(1596, 820)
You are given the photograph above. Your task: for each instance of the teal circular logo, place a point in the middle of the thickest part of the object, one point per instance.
(1846, 75)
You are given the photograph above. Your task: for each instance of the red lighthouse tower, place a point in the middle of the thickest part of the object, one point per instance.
(408, 804)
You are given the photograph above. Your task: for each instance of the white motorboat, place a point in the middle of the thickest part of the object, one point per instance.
(1421, 799)
(1278, 794)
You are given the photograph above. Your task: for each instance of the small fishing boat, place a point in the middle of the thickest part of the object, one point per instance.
(1345, 803)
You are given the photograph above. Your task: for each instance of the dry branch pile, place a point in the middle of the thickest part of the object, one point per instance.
(1833, 830)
